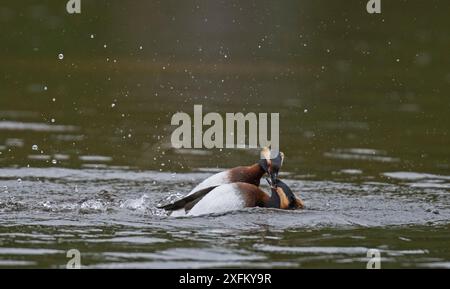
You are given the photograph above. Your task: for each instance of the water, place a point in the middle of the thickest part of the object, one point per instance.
(110, 216)
(85, 153)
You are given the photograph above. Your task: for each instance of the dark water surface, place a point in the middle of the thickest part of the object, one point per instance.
(85, 152)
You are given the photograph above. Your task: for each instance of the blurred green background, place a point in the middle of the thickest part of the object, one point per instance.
(354, 91)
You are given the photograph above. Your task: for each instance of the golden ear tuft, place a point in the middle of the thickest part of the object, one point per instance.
(282, 158)
(299, 204)
(265, 153)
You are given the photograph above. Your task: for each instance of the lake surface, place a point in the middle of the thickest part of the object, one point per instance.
(85, 154)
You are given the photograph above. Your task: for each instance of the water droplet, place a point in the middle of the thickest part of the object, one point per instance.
(53, 120)
(305, 111)
(61, 56)
(140, 47)
(35, 147)
(104, 45)
(45, 88)
(53, 99)
(19, 180)
(54, 162)
(92, 36)
(113, 104)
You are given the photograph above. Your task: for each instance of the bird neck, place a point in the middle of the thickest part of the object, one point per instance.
(274, 201)
(257, 170)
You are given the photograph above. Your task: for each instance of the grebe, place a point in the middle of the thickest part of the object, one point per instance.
(235, 196)
(243, 174)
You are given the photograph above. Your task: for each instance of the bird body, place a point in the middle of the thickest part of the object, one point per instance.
(234, 196)
(238, 188)
(246, 174)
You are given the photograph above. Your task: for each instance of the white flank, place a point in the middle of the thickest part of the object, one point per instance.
(213, 181)
(178, 213)
(221, 199)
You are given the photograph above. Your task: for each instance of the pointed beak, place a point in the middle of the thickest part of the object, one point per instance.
(273, 179)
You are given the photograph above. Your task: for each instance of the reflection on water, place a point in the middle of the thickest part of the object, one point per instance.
(117, 247)
(110, 215)
(18, 126)
(360, 154)
(85, 150)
